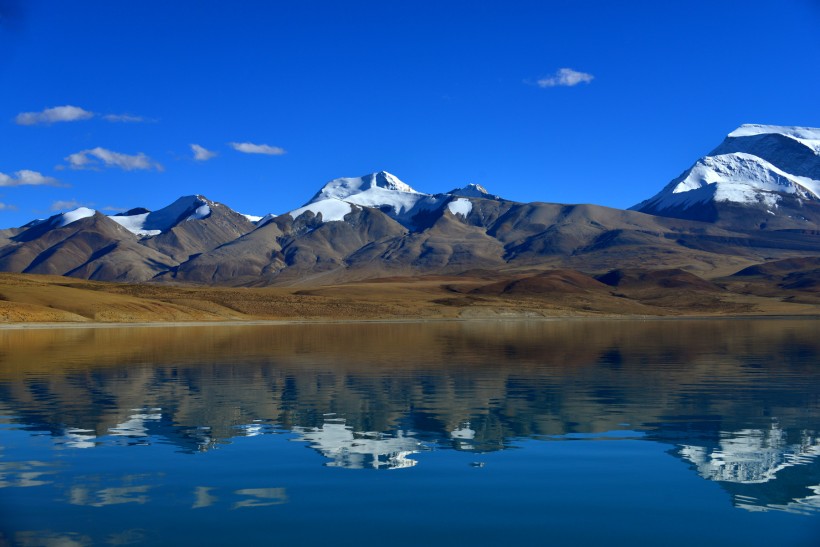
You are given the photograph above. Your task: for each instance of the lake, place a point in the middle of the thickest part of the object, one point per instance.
(584, 432)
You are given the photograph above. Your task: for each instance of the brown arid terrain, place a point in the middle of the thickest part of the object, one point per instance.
(787, 287)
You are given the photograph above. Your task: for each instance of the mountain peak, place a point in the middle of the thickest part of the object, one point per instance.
(386, 180)
(64, 219)
(382, 190)
(797, 146)
(472, 187)
(768, 174)
(473, 190)
(806, 135)
(345, 187)
(151, 223)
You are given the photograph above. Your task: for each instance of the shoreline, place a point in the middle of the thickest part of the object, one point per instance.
(286, 322)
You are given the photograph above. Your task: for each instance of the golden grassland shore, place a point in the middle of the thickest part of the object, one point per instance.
(30, 299)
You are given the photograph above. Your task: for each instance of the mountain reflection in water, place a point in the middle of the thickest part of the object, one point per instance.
(736, 401)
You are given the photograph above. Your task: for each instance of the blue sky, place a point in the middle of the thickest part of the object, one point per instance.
(288, 95)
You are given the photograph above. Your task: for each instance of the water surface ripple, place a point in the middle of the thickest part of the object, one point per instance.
(564, 432)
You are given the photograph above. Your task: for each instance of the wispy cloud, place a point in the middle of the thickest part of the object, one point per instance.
(201, 153)
(66, 205)
(124, 118)
(251, 148)
(54, 115)
(95, 158)
(25, 177)
(565, 77)
(70, 113)
(7, 207)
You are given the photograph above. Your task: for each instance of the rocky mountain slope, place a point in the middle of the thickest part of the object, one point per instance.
(755, 198)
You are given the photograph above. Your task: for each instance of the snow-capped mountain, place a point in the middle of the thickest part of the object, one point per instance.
(135, 245)
(761, 176)
(336, 199)
(381, 190)
(141, 221)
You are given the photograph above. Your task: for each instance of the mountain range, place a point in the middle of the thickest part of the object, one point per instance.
(755, 198)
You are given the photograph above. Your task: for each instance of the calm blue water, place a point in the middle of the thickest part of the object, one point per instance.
(560, 433)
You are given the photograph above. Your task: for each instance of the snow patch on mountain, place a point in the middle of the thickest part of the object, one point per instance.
(399, 202)
(265, 219)
(808, 136)
(382, 191)
(203, 211)
(156, 222)
(135, 224)
(738, 178)
(68, 217)
(460, 206)
(331, 209)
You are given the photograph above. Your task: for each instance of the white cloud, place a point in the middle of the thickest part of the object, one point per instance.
(124, 118)
(96, 157)
(7, 207)
(565, 77)
(251, 148)
(25, 177)
(71, 114)
(201, 153)
(65, 205)
(53, 115)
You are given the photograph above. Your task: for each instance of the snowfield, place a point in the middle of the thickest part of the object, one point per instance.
(387, 193)
(736, 173)
(72, 216)
(460, 206)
